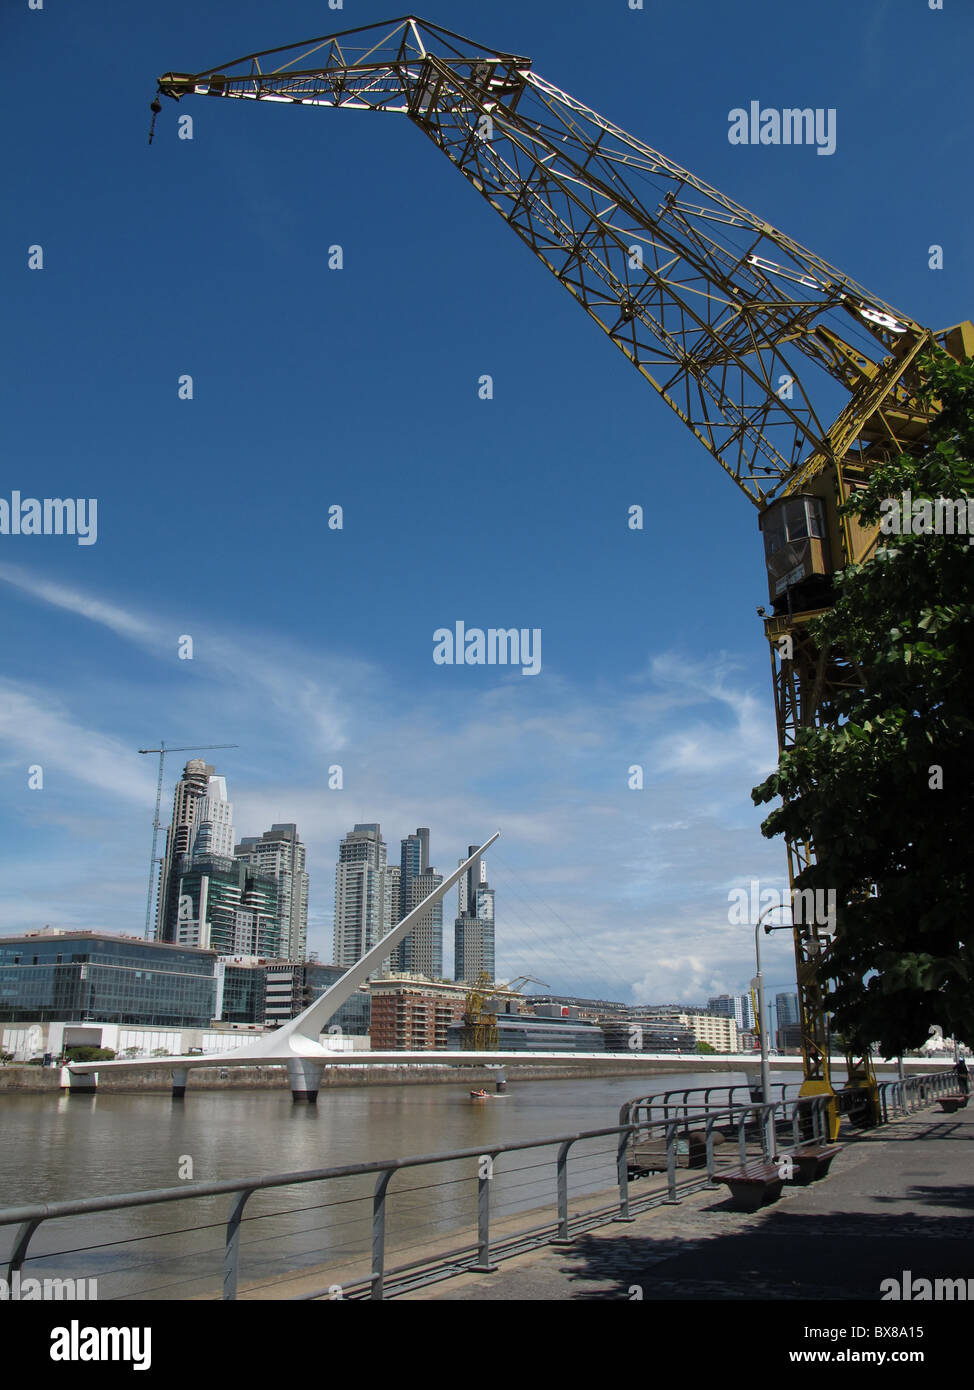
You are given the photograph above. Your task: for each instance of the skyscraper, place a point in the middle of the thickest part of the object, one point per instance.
(213, 834)
(421, 952)
(363, 894)
(473, 933)
(192, 790)
(228, 906)
(207, 898)
(395, 912)
(735, 1006)
(280, 855)
(788, 1033)
(786, 1010)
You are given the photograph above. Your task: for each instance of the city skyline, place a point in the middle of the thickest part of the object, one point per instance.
(213, 831)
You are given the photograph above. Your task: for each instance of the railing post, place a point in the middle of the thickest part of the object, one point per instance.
(741, 1141)
(231, 1255)
(376, 1289)
(671, 1198)
(561, 1170)
(768, 1132)
(709, 1140)
(484, 1177)
(19, 1252)
(622, 1174)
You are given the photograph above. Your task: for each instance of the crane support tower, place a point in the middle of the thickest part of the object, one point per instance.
(797, 379)
(479, 1031)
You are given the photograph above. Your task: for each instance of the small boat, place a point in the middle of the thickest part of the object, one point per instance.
(480, 1095)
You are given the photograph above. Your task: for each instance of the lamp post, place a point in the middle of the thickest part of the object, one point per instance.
(762, 1021)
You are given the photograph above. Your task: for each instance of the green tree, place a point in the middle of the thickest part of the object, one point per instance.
(89, 1054)
(705, 1047)
(885, 788)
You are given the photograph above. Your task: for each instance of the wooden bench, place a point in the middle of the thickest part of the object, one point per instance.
(949, 1104)
(809, 1163)
(649, 1155)
(753, 1185)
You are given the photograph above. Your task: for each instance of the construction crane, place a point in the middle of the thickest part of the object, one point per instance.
(797, 379)
(520, 980)
(162, 750)
(479, 1033)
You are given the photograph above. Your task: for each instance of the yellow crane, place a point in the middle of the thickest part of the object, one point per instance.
(479, 1033)
(752, 339)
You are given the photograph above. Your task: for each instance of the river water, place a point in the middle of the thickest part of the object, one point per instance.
(73, 1147)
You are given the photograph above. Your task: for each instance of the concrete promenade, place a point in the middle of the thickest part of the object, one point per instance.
(900, 1198)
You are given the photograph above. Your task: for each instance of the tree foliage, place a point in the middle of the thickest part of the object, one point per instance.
(885, 788)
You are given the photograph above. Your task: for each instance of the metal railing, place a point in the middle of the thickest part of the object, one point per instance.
(662, 1098)
(808, 1123)
(899, 1098)
(752, 1122)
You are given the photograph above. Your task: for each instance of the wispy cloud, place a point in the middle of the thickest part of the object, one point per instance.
(36, 728)
(118, 620)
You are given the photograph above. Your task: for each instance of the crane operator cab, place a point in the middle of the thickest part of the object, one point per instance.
(796, 551)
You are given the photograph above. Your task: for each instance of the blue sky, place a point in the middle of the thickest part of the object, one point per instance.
(359, 387)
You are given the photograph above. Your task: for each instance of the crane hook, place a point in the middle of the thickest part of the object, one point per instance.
(155, 108)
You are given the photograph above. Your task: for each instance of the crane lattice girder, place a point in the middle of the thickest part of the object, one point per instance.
(695, 293)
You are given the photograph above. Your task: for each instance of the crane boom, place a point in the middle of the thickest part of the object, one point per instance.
(797, 379)
(735, 324)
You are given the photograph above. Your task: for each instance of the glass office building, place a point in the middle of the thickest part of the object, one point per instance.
(77, 977)
(527, 1033)
(292, 986)
(239, 992)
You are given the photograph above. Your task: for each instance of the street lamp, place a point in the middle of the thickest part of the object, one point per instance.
(762, 1017)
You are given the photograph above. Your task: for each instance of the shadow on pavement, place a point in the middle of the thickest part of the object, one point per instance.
(839, 1256)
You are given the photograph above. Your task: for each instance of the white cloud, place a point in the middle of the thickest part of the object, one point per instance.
(120, 621)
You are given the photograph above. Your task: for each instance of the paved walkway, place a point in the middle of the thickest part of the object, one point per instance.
(896, 1199)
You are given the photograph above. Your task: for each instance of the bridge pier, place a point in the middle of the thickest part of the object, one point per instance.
(179, 1078)
(304, 1077)
(500, 1081)
(83, 1083)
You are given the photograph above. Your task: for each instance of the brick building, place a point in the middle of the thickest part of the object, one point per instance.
(411, 1013)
